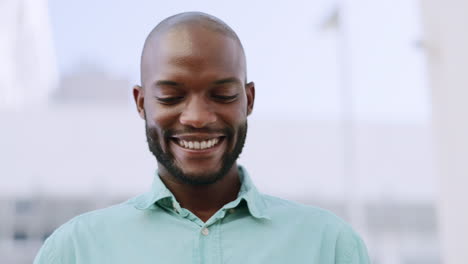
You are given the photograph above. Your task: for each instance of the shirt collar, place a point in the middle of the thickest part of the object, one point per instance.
(248, 193)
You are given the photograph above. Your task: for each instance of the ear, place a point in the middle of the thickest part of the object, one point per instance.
(250, 92)
(139, 96)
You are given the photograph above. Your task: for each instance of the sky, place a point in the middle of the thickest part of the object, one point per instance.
(368, 68)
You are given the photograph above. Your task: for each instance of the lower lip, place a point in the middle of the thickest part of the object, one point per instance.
(201, 152)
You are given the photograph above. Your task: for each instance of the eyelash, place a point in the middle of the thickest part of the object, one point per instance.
(169, 100)
(176, 99)
(225, 98)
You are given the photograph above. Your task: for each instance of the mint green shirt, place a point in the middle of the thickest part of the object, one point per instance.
(255, 228)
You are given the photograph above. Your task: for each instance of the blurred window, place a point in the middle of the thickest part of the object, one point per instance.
(23, 206)
(20, 235)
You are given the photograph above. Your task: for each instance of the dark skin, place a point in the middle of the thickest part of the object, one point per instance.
(193, 77)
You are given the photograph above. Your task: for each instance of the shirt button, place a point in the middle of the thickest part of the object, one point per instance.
(205, 231)
(232, 210)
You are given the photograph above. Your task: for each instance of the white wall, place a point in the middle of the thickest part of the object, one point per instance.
(446, 41)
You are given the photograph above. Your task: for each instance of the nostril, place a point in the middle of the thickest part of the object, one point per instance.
(198, 120)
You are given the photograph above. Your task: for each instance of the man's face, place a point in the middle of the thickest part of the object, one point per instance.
(195, 103)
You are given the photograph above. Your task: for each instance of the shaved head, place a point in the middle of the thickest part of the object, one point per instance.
(194, 88)
(187, 21)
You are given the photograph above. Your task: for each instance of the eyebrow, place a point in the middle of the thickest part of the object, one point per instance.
(167, 83)
(217, 82)
(227, 80)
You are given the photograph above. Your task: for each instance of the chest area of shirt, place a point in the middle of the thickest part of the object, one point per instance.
(232, 241)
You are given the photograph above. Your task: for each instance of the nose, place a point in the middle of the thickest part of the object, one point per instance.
(197, 114)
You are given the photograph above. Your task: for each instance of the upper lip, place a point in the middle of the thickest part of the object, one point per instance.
(197, 137)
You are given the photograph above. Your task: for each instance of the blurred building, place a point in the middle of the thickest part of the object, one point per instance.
(88, 84)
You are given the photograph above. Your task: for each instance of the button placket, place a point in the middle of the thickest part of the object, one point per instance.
(205, 231)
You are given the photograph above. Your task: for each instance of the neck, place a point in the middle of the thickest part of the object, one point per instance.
(204, 200)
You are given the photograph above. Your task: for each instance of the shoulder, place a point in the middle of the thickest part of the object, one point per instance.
(276, 206)
(108, 215)
(311, 221)
(60, 247)
(314, 222)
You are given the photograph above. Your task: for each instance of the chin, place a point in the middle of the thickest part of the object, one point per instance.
(199, 167)
(199, 175)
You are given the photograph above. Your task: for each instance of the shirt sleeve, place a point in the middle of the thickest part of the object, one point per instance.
(350, 249)
(57, 249)
(43, 256)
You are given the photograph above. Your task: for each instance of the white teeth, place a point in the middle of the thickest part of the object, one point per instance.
(199, 144)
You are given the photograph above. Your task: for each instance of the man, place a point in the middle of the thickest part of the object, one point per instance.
(202, 208)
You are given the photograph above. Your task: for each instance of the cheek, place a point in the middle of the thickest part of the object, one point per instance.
(162, 117)
(161, 120)
(234, 118)
(238, 114)
(158, 115)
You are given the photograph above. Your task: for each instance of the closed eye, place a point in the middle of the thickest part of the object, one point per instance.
(170, 100)
(225, 98)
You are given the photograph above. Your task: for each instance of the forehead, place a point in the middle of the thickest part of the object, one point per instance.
(191, 52)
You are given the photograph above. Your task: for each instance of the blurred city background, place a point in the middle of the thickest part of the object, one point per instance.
(359, 110)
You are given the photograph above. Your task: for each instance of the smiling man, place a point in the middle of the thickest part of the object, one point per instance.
(203, 207)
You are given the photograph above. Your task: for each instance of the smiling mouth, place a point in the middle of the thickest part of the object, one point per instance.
(198, 144)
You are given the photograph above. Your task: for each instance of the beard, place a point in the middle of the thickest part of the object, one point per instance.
(166, 158)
